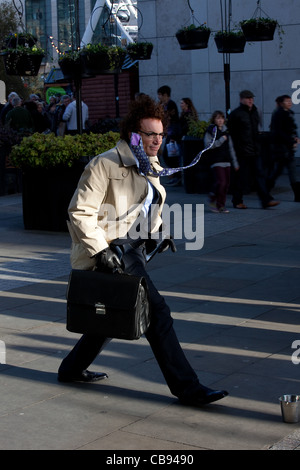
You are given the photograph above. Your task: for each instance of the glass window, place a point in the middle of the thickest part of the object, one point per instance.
(35, 17)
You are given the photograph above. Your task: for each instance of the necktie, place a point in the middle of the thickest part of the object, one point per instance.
(137, 148)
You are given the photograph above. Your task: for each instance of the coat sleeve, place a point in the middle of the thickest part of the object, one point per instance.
(85, 205)
(232, 153)
(67, 113)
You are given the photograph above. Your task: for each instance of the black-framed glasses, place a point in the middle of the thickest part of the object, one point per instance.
(154, 134)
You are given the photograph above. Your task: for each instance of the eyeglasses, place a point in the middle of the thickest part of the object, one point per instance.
(153, 135)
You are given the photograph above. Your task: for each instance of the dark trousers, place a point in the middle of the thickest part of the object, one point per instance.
(220, 185)
(251, 168)
(179, 375)
(287, 161)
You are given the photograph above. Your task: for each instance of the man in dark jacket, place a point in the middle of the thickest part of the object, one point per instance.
(243, 126)
(284, 141)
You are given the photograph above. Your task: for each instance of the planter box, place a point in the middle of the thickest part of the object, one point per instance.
(23, 65)
(198, 178)
(259, 32)
(193, 39)
(46, 194)
(230, 44)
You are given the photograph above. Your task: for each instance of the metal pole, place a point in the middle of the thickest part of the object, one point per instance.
(77, 80)
(227, 87)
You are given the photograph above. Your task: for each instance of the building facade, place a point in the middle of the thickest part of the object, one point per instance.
(268, 69)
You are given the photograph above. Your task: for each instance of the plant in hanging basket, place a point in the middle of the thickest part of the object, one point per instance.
(19, 39)
(99, 58)
(71, 64)
(259, 29)
(231, 42)
(140, 50)
(193, 37)
(22, 60)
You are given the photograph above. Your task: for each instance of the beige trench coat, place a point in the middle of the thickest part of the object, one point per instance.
(107, 202)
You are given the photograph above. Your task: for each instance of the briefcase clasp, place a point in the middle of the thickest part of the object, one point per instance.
(100, 308)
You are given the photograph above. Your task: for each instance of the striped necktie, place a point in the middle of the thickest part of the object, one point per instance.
(137, 148)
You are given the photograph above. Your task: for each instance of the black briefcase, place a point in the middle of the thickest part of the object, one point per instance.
(110, 305)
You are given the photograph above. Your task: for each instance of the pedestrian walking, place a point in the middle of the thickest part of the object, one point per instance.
(284, 142)
(122, 178)
(243, 126)
(220, 158)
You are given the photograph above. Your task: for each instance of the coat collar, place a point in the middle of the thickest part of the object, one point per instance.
(128, 159)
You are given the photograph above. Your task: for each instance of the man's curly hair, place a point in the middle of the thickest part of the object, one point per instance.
(143, 107)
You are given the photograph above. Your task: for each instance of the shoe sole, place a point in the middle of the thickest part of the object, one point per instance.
(73, 379)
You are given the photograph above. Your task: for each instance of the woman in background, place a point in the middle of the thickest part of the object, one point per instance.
(220, 156)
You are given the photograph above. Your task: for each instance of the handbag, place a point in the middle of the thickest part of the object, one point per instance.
(112, 305)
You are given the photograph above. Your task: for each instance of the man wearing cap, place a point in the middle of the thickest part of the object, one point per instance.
(243, 125)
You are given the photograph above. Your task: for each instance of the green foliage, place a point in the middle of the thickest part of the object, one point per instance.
(10, 137)
(21, 51)
(8, 23)
(69, 56)
(191, 27)
(231, 33)
(197, 128)
(260, 21)
(22, 44)
(139, 46)
(140, 50)
(116, 54)
(46, 150)
(8, 20)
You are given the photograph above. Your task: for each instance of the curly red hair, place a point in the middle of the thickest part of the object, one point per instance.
(143, 107)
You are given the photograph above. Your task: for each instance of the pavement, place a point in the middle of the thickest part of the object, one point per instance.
(236, 309)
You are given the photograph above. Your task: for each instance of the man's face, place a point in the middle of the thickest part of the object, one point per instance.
(151, 143)
(287, 104)
(162, 98)
(248, 102)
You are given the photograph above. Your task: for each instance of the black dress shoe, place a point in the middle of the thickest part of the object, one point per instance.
(203, 397)
(84, 376)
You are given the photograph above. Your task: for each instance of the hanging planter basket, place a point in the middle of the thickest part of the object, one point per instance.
(99, 63)
(259, 29)
(140, 50)
(73, 67)
(191, 38)
(98, 59)
(22, 64)
(230, 43)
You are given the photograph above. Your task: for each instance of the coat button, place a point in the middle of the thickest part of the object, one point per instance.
(124, 173)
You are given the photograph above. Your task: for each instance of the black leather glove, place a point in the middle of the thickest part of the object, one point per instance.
(166, 244)
(108, 261)
(150, 244)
